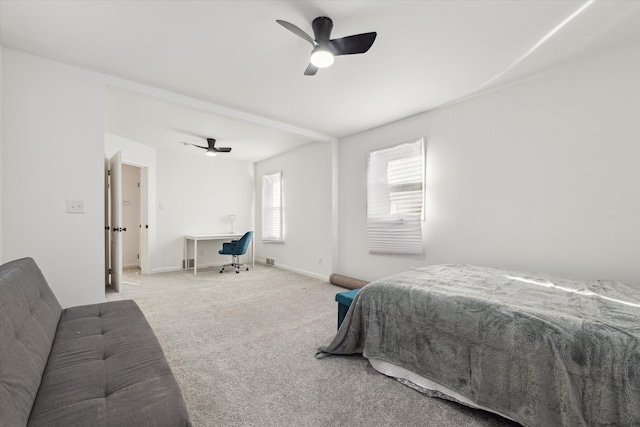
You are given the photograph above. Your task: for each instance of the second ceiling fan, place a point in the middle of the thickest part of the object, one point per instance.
(324, 49)
(211, 148)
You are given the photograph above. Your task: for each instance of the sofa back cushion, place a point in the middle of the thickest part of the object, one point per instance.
(29, 315)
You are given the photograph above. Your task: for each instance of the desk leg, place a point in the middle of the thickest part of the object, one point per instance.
(195, 257)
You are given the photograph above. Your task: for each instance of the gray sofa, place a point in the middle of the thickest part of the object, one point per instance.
(94, 365)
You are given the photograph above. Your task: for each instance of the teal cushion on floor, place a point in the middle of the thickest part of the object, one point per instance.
(346, 298)
(344, 302)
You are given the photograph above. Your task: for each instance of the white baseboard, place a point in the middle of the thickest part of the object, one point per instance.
(258, 261)
(173, 269)
(295, 270)
(164, 270)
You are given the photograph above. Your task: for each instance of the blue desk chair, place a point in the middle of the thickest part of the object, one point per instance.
(236, 248)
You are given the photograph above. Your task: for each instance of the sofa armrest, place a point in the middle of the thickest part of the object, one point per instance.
(29, 315)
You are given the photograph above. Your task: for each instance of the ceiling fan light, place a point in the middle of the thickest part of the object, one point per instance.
(321, 57)
(210, 153)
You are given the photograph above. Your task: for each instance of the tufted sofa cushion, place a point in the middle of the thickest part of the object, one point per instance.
(29, 314)
(96, 365)
(120, 377)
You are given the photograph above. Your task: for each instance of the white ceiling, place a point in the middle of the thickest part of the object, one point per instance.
(168, 125)
(233, 54)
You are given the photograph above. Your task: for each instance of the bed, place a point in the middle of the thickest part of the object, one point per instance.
(537, 349)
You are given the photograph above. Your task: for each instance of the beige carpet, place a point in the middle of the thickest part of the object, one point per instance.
(242, 348)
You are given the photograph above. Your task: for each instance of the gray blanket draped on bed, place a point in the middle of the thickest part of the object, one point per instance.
(542, 350)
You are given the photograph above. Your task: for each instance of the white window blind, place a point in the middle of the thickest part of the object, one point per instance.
(395, 197)
(272, 216)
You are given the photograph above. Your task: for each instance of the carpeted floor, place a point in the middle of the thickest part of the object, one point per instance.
(242, 348)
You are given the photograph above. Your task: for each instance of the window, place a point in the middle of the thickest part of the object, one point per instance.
(272, 221)
(395, 197)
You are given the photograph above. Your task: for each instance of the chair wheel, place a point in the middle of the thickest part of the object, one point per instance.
(237, 272)
(221, 270)
(247, 268)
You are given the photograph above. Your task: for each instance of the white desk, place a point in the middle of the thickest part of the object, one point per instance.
(217, 236)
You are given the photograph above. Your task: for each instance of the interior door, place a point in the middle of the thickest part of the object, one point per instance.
(115, 168)
(107, 229)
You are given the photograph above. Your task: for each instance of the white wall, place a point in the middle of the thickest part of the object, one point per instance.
(306, 175)
(52, 140)
(130, 215)
(196, 194)
(1, 49)
(54, 146)
(543, 176)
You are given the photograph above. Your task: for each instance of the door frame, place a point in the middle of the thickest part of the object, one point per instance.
(144, 213)
(144, 217)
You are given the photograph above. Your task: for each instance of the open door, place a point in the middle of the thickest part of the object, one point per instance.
(107, 229)
(115, 168)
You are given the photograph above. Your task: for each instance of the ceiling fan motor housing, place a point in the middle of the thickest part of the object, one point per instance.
(322, 27)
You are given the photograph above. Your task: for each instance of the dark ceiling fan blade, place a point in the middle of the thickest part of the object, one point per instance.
(297, 31)
(311, 70)
(322, 27)
(359, 43)
(196, 145)
(223, 149)
(324, 49)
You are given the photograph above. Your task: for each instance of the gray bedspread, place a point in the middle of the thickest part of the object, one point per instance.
(542, 350)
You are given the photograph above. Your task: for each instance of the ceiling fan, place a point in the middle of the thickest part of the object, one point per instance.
(212, 150)
(325, 49)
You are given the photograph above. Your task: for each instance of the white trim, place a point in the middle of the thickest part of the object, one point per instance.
(174, 269)
(212, 108)
(165, 270)
(259, 261)
(295, 270)
(133, 163)
(335, 206)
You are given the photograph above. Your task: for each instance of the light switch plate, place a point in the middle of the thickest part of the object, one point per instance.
(75, 206)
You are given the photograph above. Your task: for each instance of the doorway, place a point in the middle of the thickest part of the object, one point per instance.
(126, 213)
(131, 220)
